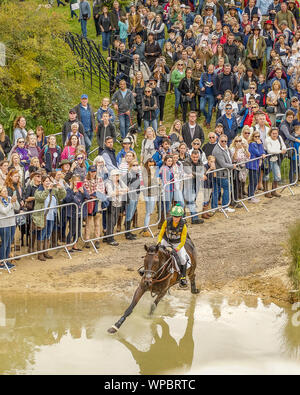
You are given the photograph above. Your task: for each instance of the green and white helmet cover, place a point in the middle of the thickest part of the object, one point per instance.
(177, 211)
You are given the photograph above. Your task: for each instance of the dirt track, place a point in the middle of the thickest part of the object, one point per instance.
(244, 254)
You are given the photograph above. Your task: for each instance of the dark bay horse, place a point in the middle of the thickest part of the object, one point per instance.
(159, 276)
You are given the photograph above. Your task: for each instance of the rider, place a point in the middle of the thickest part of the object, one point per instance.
(173, 234)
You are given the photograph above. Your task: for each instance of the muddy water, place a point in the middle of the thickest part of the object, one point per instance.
(66, 334)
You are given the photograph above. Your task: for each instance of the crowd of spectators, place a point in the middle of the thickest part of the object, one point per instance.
(232, 62)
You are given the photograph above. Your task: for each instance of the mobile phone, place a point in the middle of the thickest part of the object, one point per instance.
(79, 184)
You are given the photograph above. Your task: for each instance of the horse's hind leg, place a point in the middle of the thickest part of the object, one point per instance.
(192, 278)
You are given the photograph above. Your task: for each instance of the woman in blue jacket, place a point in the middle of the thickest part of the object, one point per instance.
(256, 150)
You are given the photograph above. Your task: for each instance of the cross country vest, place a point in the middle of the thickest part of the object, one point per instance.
(173, 234)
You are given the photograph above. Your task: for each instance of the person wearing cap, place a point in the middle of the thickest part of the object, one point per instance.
(173, 235)
(85, 114)
(294, 10)
(126, 147)
(65, 166)
(66, 129)
(188, 17)
(269, 36)
(285, 15)
(256, 47)
(84, 15)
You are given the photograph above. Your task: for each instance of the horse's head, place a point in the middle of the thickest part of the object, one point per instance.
(156, 256)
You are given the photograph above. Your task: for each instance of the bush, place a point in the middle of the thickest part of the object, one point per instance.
(33, 82)
(294, 251)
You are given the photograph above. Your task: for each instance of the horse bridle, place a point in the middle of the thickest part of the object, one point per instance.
(155, 273)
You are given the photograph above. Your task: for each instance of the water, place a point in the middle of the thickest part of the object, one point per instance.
(66, 334)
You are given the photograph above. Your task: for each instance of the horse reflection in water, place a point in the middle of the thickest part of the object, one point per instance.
(165, 355)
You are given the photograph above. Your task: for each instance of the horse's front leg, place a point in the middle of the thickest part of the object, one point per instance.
(157, 300)
(136, 297)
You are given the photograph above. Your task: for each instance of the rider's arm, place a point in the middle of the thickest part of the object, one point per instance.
(162, 232)
(183, 238)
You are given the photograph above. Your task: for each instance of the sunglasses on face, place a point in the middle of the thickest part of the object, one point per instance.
(212, 137)
(79, 157)
(246, 132)
(223, 141)
(256, 137)
(196, 143)
(238, 141)
(21, 141)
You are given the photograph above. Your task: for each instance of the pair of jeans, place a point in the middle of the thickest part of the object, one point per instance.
(177, 97)
(152, 123)
(124, 124)
(73, 13)
(131, 206)
(210, 101)
(292, 172)
(6, 235)
(167, 202)
(161, 42)
(105, 40)
(190, 196)
(83, 23)
(73, 230)
(274, 168)
(88, 138)
(46, 232)
(218, 185)
(150, 206)
(253, 181)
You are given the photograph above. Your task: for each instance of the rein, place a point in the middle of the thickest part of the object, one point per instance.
(157, 280)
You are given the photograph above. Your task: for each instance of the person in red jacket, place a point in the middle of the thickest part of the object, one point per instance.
(249, 120)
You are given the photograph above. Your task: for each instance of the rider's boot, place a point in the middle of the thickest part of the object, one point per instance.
(183, 282)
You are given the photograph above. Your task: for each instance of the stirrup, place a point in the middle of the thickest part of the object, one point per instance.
(141, 271)
(183, 282)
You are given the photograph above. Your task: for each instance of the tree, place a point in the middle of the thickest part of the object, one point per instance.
(37, 60)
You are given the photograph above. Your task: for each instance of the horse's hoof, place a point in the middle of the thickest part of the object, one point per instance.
(112, 330)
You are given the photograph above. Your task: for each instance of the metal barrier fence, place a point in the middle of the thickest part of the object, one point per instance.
(25, 230)
(130, 201)
(196, 194)
(286, 174)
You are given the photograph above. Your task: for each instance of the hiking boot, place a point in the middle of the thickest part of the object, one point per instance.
(205, 215)
(112, 242)
(266, 188)
(274, 186)
(46, 246)
(97, 244)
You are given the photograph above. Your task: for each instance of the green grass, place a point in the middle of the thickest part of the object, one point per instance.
(294, 252)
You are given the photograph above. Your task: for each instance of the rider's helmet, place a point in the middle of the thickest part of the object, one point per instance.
(177, 211)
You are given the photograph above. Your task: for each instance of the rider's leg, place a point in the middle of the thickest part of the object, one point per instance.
(184, 258)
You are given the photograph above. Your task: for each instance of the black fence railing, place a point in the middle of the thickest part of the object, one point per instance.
(93, 65)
